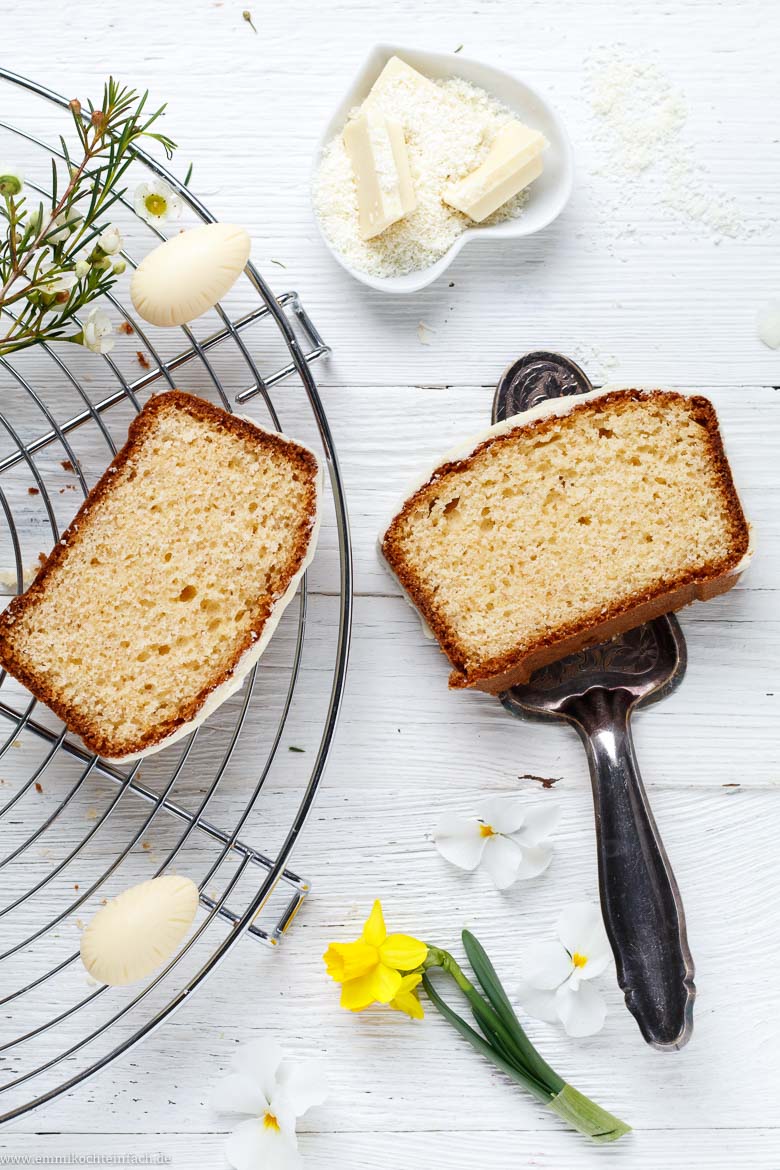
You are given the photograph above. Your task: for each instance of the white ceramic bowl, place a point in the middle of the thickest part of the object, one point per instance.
(547, 195)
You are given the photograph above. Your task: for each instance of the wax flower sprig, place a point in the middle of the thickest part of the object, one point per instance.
(390, 969)
(58, 256)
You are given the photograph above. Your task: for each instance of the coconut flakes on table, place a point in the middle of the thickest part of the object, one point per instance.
(639, 117)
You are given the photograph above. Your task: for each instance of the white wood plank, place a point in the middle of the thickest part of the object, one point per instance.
(368, 838)
(550, 1150)
(636, 294)
(666, 302)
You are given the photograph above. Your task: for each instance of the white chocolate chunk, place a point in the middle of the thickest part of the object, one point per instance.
(768, 324)
(376, 149)
(189, 273)
(401, 157)
(397, 72)
(139, 930)
(513, 161)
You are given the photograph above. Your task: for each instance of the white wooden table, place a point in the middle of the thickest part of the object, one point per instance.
(639, 296)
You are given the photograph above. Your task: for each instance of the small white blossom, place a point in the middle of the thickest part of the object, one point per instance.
(156, 202)
(274, 1095)
(110, 240)
(82, 268)
(118, 267)
(62, 225)
(507, 837)
(11, 179)
(63, 282)
(557, 987)
(97, 332)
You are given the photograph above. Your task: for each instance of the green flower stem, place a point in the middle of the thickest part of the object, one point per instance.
(439, 958)
(507, 1046)
(587, 1117)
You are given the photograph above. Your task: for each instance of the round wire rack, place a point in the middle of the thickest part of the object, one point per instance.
(225, 806)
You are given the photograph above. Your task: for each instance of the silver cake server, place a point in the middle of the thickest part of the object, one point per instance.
(596, 690)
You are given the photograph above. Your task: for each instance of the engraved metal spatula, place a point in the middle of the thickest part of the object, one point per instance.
(596, 690)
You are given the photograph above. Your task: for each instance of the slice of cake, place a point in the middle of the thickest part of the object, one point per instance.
(165, 589)
(567, 525)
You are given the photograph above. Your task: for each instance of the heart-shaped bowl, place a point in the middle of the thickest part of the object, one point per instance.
(547, 195)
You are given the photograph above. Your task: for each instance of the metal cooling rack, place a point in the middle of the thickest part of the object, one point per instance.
(75, 829)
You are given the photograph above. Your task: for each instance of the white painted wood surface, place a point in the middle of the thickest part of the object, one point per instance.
(639, 296)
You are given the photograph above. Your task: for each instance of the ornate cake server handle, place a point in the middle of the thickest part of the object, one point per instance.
(596, 690)
(640, 900)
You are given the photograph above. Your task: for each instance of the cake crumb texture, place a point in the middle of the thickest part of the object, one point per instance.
(554, 528)
(167, 575)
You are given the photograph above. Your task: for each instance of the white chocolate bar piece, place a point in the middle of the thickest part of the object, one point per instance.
(376, 149)
(513, 161)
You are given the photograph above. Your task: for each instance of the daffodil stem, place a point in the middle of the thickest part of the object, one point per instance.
(507, 1046)
(439, 958)
(587, 1117)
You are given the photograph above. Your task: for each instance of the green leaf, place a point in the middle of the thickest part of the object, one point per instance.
(493, 989)
(497, 1035)
(488, 979)
(522, 1055)
(483, 1047)
(512, 1042)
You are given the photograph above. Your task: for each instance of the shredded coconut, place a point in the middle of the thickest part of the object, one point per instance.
(599, 365)
(638, 132)
(446, 138)
(8, 578)
(642, 112)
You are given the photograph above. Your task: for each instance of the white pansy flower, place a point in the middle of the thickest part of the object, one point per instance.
(275, 1095)
(110, 240)
(97, 332)
(62, 225)
(557, 986)
(156, 202)
(507, 837)
(11, 179)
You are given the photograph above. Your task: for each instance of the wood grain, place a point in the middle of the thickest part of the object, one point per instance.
(639, 295)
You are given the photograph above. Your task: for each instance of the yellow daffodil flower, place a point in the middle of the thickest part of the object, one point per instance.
(405, 1000)
(369, 970)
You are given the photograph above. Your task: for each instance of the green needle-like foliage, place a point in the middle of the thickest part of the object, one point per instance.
(41, 288)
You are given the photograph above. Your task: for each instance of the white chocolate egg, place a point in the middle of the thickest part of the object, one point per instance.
(139, 930)
(189, 273)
